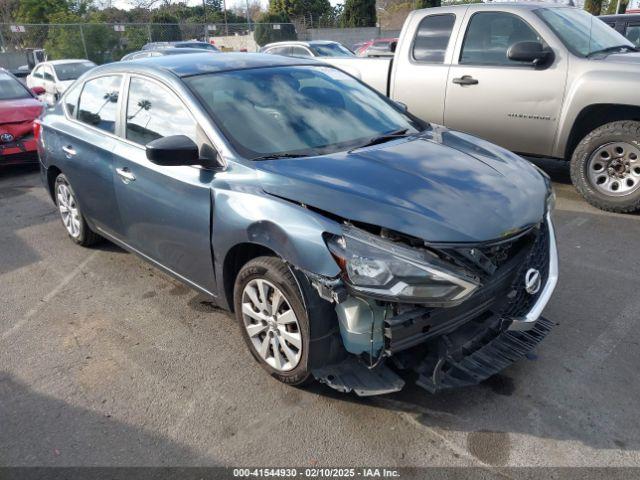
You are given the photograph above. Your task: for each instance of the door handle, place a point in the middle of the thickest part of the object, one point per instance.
(69, 151)
(126, 176)
(465, 80)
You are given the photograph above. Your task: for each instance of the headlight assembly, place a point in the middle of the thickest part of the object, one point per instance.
(386, 270)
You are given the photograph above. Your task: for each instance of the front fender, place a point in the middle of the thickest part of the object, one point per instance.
(606, 86)
(291, 231)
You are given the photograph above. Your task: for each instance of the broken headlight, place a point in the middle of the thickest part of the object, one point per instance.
(387, 270)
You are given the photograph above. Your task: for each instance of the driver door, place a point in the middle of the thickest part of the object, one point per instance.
(512, 104)
(165, 210)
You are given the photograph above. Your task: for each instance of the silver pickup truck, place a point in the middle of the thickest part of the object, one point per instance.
(539, 79)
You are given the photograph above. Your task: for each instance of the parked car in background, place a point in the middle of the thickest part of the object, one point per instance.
(339, 229)
(184, 44)
(313, 48)
(162, 52)
(19, 107)
(55, 76)
(380, 47)
(540, 79)
(627, 25)
(21, 62)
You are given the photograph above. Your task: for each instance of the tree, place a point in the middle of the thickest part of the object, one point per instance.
(315, 8)
(594, 7)
(40, 11)
(266, 33)
(428, 3)
(168, 30)
(359, 13)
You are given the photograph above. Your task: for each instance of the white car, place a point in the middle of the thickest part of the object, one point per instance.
(56, 76)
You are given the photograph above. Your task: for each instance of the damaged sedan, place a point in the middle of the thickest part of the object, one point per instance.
(352, 241)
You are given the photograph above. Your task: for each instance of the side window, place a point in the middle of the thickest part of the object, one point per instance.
(633, 34)
(279, 51)
(489, 36)
(47, 73)
(98, 104)
(154, 111)
(71, 99)
(299, 52)
(37, 72)
(432, 38)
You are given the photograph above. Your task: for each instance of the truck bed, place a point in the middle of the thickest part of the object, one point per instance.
(373, 71)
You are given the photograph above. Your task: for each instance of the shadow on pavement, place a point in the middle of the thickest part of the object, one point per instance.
(40, 430)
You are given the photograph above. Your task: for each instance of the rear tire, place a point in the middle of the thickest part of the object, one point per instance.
(605, 167)
(291, 330)
(71, 214)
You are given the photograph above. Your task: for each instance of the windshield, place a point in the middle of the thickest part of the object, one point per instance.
(200, 45)
(303, 110)
(11, 89)
(71, 71)
(331, 50)
(581, 32)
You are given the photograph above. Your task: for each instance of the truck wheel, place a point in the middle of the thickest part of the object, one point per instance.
(288, 328)
(71, 215)
(605, 167)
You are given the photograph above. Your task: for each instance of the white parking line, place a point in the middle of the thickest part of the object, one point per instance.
(43, 302)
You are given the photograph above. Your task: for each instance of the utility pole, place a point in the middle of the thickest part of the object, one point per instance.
(226, 25)
(248, 16)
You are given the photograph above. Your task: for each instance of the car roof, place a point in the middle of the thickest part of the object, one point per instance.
(67, 60)
(202, 62)
(300, 43)
(620, 16)
(498, 5)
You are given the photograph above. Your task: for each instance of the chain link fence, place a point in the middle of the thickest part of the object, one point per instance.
(104, 42)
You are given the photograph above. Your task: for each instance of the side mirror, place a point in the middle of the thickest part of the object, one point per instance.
(532, 52)
(173, 151)
(393, 46)
(38, 90)
(401, 106)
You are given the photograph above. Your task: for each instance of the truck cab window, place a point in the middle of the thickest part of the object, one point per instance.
(489, 36)
(432, 38)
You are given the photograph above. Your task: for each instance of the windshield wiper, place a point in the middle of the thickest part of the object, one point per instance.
(385, 137)
(275, 156)
(612, 49)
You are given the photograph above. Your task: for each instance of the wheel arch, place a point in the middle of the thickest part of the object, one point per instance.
(594, 116)
(52, 173)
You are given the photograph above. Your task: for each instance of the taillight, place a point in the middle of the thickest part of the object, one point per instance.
(37, 127)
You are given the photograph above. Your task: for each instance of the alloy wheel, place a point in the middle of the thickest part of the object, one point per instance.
(68, 209)
(271, 324)
(614, 169)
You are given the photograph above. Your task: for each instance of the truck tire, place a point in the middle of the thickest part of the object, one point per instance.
(605, 167)
(288, 328)
(71, 214)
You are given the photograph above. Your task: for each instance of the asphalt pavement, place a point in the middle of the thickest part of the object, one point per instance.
(104, 360)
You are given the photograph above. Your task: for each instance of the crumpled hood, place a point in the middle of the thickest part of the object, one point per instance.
(19, 110)
(444, 186)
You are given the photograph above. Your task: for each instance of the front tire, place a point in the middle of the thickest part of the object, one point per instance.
(287, 327)
(71, 214)
(605, 167)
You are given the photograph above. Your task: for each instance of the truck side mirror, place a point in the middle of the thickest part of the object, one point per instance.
(531, 52)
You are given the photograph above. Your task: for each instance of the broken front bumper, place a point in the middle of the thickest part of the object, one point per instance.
(466, 344)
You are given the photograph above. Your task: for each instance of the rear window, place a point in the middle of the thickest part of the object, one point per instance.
(71, 71)
(432, 38)
(99, 102)
(11, 89)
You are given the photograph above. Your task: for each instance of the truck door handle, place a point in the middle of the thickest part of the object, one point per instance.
(126, 176)
(69, 151)
(465, 80)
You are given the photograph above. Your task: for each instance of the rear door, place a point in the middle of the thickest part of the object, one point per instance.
(84, 144)
(165, 211)
(513, 104)
(423, 64)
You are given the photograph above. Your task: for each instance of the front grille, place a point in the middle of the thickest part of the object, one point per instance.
(501, 296)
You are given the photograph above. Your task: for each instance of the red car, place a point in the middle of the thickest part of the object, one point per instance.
(380, 47)
(19, 107)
